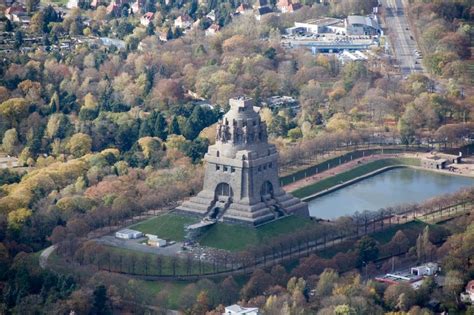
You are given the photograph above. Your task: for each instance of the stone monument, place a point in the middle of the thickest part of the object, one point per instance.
(241, 182)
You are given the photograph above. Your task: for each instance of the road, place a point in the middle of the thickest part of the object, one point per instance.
(401, 36)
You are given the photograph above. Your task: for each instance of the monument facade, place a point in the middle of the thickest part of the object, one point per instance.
(241, 182)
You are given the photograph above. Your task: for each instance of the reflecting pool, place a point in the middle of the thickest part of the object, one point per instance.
(390, 188)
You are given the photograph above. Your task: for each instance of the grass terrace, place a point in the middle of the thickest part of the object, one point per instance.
(237, 237)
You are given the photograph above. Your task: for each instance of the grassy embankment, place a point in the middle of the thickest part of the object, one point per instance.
(236, 237)
(351, 174)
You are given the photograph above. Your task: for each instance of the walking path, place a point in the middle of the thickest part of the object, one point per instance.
(43, 259)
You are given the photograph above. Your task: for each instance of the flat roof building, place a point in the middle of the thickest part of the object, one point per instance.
(362, 25)
(239, 310)
(154, 240)
(428, 269)
(318, 26)
(128, 234)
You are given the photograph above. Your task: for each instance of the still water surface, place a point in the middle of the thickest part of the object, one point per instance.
(390, 188)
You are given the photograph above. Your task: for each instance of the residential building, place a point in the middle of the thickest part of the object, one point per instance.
(244, 9)
(163, 36)
(468, 295)
(113, 8)
(261, 8)
(183, 21)
(260, 4)
(147, 18)
(239, 310)
(211, 16)
(128, 234)
(17, 13)
(287, 6)
(281, 102)
(213, 30)
(96, 3)
(138, 6)
(261, 12)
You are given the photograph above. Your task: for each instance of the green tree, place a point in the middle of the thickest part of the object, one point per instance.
(13, 111)
(100, 303)
(173, 128)
(367, 250)
(79, 144)
(197, 149)
(54, 103)
(10, 141)
(453, 285)
(18, 39)
(37, 23)
(9, 27)
(195, 123)
(160, 128)
(326, 282)
(400, 296)
(58, 126)
(278, 127)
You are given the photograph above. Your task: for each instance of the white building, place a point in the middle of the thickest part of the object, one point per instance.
(212, 30)
(153, 240)
(239, 310)
(147, 18)
(319, 26)
(183, 21)
(362, 25)
(347, 56)
(429, 269)
(352, 25)
(128, 234)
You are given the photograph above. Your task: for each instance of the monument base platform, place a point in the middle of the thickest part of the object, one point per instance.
(245, 213)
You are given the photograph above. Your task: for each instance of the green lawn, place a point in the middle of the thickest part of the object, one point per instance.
(166, 226)
(172, 289)
(351, 174)
(237, 237)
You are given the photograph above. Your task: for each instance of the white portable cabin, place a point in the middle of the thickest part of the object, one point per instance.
(128, 234)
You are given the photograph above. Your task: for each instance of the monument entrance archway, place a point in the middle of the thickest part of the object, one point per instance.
(223, 190)
(267, 189)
